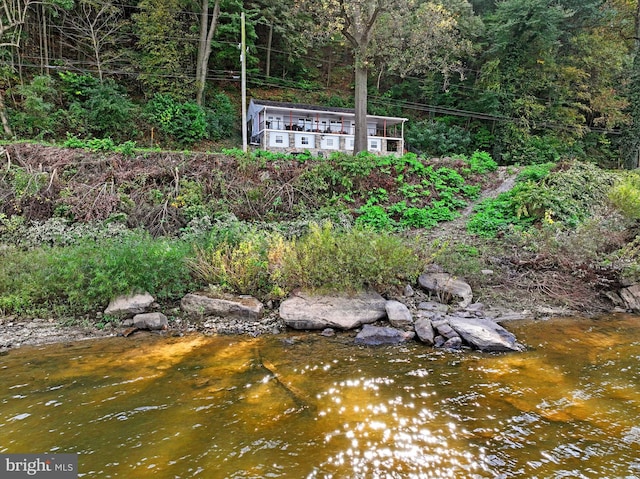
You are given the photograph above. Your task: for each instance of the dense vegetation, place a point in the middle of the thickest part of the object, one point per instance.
(78, 227)
(531, 81)
(542, 91)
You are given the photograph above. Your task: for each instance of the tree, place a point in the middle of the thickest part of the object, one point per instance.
(13, 15)
(166, 47)
(95, 28)
(413, 35)
(208, 24)
(631, 137)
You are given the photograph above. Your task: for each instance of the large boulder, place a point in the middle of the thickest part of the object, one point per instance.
(447, 288)
(399, 315)
(631, 297)
(308, 311)
(484, 334)
(226, 306)
(378, 336)
(129, 305)
(424, 330)
(150, 321)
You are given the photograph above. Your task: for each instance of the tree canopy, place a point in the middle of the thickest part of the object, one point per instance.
(528, 80)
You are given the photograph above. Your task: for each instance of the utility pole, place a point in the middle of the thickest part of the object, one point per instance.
(243, 87)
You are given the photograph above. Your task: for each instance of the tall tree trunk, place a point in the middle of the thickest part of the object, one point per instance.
(631, 142)
(360, 136)
(3, 118)
(207, 30)
(269, 42)
(45, 41)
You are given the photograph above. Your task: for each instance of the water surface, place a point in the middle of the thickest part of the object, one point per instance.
(305, 406)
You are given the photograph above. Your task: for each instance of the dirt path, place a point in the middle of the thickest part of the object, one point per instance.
(506, 179)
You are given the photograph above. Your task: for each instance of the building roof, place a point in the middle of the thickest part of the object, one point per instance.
(327, 109)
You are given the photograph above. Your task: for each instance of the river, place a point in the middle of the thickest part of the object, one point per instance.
(306, 406)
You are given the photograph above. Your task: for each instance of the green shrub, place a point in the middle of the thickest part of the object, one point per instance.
(268, 265)
(185, 122)
(98, 109)
(86, 276)
(221, 117)
(352, 260)
(566, 196)
(625, 195)
(535, 172)
(435, 138)
(37, 116)
(481, 162)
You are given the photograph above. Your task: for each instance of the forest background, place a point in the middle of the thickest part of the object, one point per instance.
(527, 81)
(524, 119)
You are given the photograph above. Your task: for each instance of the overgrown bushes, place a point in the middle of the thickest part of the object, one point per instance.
(565, 195)
(268, 265)
(83, 277)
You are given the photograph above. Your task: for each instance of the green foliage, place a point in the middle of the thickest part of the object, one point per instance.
(98, 109)
(86, 276)
(566, 196)
(37, 117)
(267, 265)
(376, 217)
(351, 260)
(535, 173)
(56, 232)
(481, 162)
(166, 46)
(184, 121)
(191, 200)
(240, 266)
(435, 138)
(625, 195)
(496, 215)
(100, 144)
(221, 117)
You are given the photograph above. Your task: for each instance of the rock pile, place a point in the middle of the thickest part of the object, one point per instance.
(433, 322)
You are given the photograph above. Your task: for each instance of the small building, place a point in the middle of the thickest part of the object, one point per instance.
(293, 128)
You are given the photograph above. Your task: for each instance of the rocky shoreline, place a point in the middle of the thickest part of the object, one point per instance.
(425, 314)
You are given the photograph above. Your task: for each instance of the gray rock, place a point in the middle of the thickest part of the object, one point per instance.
(399, 315)
(307, 311)
(446, 287)
(453, 343)
(377, 336)
(444, 329)
(424, 330)
(328, 332)
(129, 305)
(631, 297)
(433, 306)
(408, 291)
(615, 299)
(150, 321)
(227, 306)
(485, 335)
(439, 341)
(475, 307)
(504, 316)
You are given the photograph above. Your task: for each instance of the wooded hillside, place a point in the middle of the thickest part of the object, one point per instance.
(529, 81)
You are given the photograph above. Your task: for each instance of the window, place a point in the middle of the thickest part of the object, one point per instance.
(329, 142)
(304, 140)
(279, 139)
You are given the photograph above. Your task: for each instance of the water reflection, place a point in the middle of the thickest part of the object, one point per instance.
(322, 408)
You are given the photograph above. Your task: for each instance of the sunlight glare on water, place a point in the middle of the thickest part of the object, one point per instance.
(315, 407)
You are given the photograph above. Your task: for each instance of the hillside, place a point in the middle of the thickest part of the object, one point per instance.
(52, 196)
